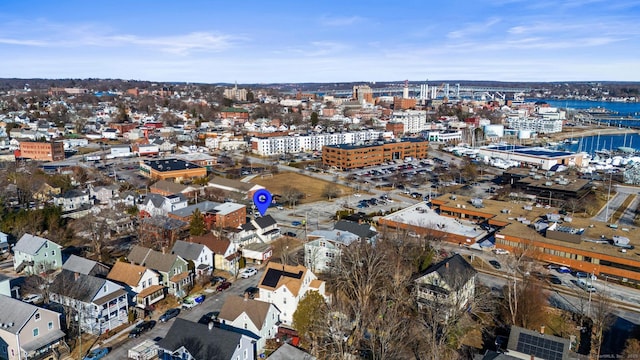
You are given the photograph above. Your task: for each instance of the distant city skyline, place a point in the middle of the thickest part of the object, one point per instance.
(329, 41)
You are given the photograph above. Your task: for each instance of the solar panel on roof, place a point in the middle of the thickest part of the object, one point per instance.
(539, 347)
(272, 276)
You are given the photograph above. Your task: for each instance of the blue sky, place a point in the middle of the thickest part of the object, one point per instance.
(321, 41)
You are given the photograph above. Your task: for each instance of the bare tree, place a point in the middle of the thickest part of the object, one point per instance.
(291, 195)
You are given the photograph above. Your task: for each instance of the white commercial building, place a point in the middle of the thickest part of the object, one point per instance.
(414, 120)
(268, 146)
(538, 125)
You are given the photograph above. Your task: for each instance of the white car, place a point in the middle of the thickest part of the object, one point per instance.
(501, 252)
(248, 272)
(33, 298)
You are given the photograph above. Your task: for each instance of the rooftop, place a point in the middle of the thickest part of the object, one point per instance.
(170, 165)
(528, 151)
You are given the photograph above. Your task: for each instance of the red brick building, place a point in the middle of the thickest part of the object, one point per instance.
(41, 151)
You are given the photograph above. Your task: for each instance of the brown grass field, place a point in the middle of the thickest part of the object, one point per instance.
(311, 187)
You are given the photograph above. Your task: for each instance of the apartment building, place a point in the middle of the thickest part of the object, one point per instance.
(171, 169)
(267, 146)
(414, 120)
(540, 125)
(357, 156)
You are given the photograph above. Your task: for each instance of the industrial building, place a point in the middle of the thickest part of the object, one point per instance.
(357, 156)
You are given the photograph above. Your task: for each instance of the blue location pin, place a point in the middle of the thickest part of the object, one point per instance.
(262, 200)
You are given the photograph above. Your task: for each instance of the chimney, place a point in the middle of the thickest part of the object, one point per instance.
(542, 329)
(532, 357)
(76, 276)
(246, 296)
(446, 264)
(210, 326)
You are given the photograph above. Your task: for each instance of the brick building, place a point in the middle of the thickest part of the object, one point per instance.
(357, 156)
(397, 128)
(175, 169)
(41, 151)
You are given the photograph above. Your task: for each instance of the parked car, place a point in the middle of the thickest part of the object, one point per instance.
(251, 292)
(495, 264)
(554, 280)
(218, 279)
(290, 234)
(142, 327)
(584, 275)
(296, 223)
(248, 272)
(563, 270)
(209, 317)
(223, 286)
(169, 314)
(33, 299)
(192, 301)
(501, 252)
(97, 354)
(586, 286)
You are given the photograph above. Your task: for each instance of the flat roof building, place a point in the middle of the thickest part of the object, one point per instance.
(41, 151)
(171, 169)
(533, 156)
(358, 156)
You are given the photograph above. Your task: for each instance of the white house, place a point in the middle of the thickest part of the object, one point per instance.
(158, 205)
(73, 200)
(258, 317)
(200, 254)
(324, 248)
(447, 286)
(285, 285)
(143, 284)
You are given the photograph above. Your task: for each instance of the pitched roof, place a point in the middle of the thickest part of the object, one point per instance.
(164, 222)
(533, 343)
(455, 270)
(290, 352)
(77, 286)
(265, 221)
(214, 243)
(231, 184)
(204, 207)
(277, 275)
(79, 264)
(152, 259)
(168, 186)
(30, 244)
(362, 230)
(187, 250)
(257, 311)
(126, 273)
(200, 341)
(20, 313)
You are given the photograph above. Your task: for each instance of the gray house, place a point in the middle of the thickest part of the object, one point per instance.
(34, 254)
(200, 254)
(189, 340)
(101, 304)
(27, 331)
(173, 269)
(85, 266)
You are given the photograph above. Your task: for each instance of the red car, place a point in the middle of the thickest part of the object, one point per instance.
(223, 286)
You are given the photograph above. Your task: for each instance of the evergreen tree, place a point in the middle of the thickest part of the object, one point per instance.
(196, 225)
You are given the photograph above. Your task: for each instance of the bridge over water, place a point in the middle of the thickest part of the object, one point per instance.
(426, 91)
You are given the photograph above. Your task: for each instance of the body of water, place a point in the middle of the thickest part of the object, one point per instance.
(590, 144)
(619, 108)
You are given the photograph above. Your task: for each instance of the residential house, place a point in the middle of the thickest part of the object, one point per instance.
(201, 256)
(27, 331)
(193, 341)
(85, 266)
(290, 352)
(34, 254)
(73, 200)
(448, 286)
(99, 303)
(246, 189)
(263, 229)
(4, 242)
(257, 252)
(285, 285)
(215, 215)
(258, 317)
(162, 231)
(5, 285)
(173, 269)
(226, 256)
(364, 231)
(531, 344)
(104, 195)
(166, 188)
(158, 205)
(142, 284)
(323, 249)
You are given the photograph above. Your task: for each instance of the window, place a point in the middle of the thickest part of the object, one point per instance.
(37, 316)
(35, 332)
(53, 253)
(50, 325)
